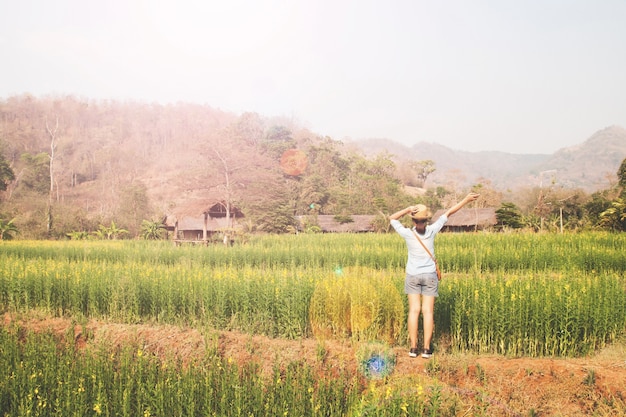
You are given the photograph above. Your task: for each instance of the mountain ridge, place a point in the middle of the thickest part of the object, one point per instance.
(587, 165)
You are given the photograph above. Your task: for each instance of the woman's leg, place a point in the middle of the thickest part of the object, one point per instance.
(428, 313)
(413, 319)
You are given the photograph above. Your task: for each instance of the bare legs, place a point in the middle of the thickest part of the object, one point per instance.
(428, 315)
(424, 304)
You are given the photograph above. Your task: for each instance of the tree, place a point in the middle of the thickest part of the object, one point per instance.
(78, 235)
(621, 176)
(110, 233)
(424, 169)
(277, 140)
(615, 216)
(274, 216)
(599, 203)
(489, 196)
(6, 173)
(134, 206)
(7, 229)
(35, 176)
(152, 230)
(509, 215)
(53, 146)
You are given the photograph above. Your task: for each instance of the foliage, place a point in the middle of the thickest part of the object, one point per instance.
(78, 235)
(509, 215)
(201, 152)
(621, 175)
(36, 174)
(358, 303)
(277, 140)
(152, 230)
(111, 232)
(40, 378)
(571, 313)
(614, 217)
(273, 213)
(6, 173)
(134, 206)
(130, 145)
(424, 169)
(7, 229)
(600, 202)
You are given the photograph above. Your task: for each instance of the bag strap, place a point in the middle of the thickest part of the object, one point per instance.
(424, 246)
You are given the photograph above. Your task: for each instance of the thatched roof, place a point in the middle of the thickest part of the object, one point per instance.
(195, 223)
(328, 223)
(197, 207)
(470, 217)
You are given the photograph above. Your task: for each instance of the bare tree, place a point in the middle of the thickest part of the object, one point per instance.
(53, 145)
(227, 170)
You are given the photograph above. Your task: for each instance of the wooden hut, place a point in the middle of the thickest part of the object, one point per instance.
(469, 219)
(331, 224)
(198, 222)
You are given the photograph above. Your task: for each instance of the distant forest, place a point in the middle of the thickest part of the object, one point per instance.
(73, 165)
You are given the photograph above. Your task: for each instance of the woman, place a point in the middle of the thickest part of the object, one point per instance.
(421, 283)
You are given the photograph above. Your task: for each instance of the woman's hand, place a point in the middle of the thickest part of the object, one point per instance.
(471, 197)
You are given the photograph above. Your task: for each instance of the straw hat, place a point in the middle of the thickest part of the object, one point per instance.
(421, 212)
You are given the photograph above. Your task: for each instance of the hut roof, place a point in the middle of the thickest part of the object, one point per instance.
(470, 217)
(196, 223)
(328, 223)
(197, 207)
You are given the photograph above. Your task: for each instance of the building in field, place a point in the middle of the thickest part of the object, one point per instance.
(333, 224)
(201, 222)
(469, 219)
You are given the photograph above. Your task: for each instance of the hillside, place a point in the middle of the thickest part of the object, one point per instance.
(588, 165)
(114, 160)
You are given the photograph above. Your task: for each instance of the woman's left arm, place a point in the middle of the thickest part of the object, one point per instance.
(458, 206)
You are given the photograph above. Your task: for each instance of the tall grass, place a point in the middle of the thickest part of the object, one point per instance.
(518, 294)
(40, 379)
(534, 314)
(598, 251)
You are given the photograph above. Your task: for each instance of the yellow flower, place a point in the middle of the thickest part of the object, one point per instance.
(97, 408)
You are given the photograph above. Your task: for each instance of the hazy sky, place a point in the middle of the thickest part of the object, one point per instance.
(523, 76)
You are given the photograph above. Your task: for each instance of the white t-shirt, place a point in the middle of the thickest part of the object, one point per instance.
(419, 262)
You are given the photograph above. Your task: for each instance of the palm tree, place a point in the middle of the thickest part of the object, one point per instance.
(615, 216)
(7, 229)
(110, 233)
(78, 235)
(152, 230)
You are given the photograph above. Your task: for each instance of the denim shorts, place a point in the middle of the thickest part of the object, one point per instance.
(425, 284)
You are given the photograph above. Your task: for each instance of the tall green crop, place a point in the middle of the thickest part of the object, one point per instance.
(529, 294)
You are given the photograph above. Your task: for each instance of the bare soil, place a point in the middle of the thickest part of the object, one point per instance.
(479, 384)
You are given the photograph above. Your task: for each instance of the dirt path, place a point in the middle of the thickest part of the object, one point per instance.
(493, 384)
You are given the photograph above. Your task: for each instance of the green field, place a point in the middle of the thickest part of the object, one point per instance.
(510, 294)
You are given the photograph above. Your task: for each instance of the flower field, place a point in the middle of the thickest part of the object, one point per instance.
(516, 295)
